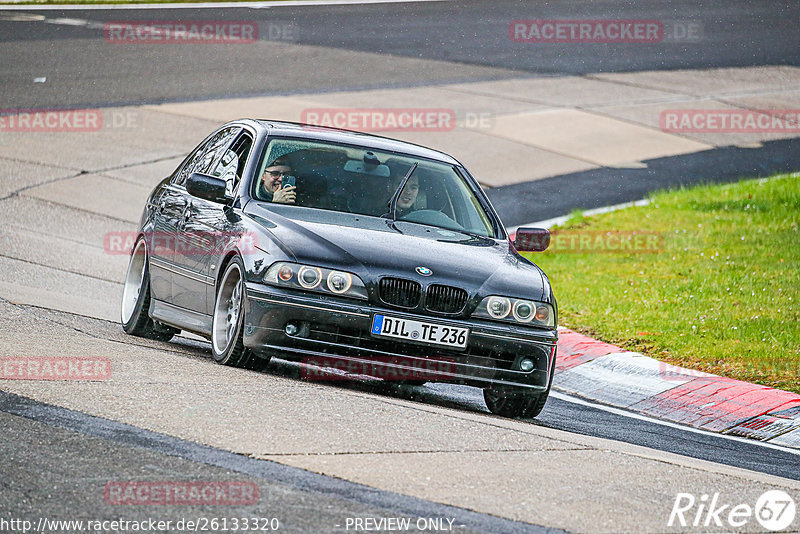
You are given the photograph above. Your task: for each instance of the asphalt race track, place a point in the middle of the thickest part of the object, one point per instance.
(338, 48)
(468, 38)
(324, 454)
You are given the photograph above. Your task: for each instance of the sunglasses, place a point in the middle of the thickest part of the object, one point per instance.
(277, 174)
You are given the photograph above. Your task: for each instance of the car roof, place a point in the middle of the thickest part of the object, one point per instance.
(324, 133)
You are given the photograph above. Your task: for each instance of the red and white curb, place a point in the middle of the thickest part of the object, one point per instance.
(605, 373)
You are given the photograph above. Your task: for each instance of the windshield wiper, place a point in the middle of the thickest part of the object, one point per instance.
(399, 191)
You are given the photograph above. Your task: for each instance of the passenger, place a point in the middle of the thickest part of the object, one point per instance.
(272, 181)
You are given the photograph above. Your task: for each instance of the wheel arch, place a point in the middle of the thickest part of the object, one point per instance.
(226, 260)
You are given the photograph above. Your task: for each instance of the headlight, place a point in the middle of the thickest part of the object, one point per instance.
(524, 311)
(498, 307)
(544, 314)
(339, 282)
(285, 273)
(514, 310)
(311, 278)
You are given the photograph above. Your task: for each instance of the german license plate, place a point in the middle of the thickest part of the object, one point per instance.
(434, 334)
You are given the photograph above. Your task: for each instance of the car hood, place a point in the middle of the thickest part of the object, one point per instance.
(374, 247)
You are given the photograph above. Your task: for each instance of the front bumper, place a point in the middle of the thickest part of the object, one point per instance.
(336, 333)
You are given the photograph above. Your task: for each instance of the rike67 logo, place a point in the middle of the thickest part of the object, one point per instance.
(774, 510)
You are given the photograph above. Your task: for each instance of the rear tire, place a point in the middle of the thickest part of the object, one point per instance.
(227, 342)
(135, 310)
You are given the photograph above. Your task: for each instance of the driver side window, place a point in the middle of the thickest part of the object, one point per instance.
(231, 166)
(206, 154)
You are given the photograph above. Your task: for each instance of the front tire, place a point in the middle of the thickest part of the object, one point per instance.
(510, 401)
(227, 342)
(134, 314)
(514, 402)
(413, 382)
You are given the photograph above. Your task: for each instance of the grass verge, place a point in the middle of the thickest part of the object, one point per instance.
(709, 278)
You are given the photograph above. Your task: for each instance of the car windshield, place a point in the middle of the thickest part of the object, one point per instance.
(346, 178)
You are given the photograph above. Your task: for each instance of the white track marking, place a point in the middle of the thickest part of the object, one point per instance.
(547, 223)
(210, 5)
(67, 21)
(625, 413)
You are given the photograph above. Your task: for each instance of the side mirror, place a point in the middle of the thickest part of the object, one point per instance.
(207, 187)
(532, 239)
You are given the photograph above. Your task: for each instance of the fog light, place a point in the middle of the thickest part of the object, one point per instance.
(291, 329)
(526, 364)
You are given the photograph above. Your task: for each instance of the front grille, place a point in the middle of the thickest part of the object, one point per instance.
(445, 299)
(355, 339)
(400, 292)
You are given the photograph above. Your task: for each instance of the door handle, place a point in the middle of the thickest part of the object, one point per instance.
(186, 214)
(187, 211)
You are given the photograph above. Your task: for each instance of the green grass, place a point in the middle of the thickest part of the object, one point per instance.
(722, 293)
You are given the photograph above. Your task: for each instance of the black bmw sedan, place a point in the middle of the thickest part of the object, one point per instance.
(348, 252)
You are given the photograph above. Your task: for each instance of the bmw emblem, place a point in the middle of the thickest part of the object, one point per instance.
(424, 271)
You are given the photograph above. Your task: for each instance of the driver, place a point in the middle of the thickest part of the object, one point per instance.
(272, 180)
(407, 199)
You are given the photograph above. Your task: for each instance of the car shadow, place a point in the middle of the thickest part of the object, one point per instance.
(455, 396)
(444, 395)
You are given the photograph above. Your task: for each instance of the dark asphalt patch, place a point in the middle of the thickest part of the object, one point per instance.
(527, 202)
